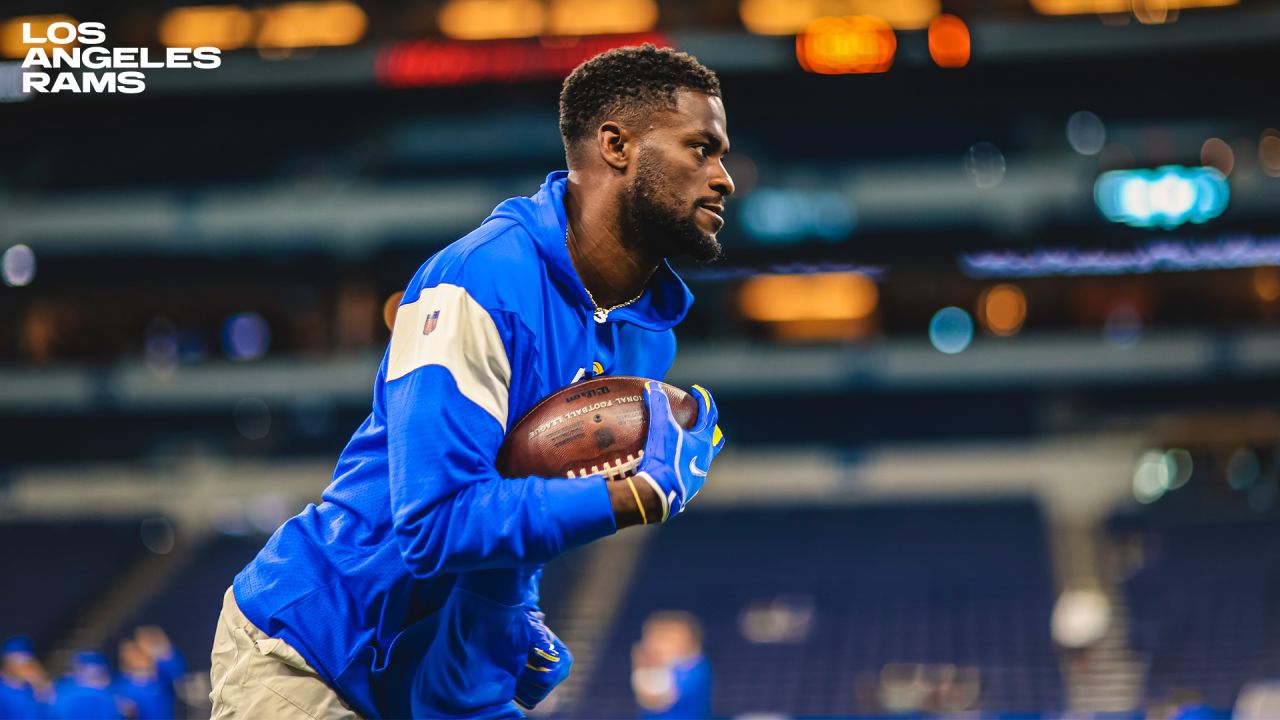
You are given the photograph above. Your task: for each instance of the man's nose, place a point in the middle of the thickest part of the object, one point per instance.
(722, 182)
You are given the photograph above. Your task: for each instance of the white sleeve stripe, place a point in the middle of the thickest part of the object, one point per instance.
(462, 338)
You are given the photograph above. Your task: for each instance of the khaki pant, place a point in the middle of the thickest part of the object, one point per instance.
(255, 676)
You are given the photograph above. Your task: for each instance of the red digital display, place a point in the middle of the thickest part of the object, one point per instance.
(419, 63)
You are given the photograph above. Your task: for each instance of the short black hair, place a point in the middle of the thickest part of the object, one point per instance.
(630, 80)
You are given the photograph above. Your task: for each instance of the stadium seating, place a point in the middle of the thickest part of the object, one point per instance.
(1204, 604)
(187, 606)
(968, 585)
(55, 570)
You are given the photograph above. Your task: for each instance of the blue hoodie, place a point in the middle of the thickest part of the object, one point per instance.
(405, 588)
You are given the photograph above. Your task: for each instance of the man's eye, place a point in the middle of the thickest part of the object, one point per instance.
(703, 149)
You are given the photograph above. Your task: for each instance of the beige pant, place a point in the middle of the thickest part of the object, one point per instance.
(255, 676)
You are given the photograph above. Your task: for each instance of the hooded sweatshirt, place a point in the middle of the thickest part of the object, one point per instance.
(406, 587)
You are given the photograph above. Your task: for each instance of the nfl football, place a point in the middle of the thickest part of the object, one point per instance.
(596, 426)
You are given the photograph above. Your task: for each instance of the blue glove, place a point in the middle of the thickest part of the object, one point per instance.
(676, 460)
(548, 664)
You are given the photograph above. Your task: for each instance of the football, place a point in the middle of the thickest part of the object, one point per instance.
(596, 426)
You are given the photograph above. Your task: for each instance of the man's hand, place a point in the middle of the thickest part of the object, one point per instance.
(548, 664)
(676, 460)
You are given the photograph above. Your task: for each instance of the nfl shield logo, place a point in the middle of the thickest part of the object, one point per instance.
(432, 319)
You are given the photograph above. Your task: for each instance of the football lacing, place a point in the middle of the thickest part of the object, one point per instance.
(616, 469)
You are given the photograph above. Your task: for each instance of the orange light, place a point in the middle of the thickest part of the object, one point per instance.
(822, 296)
(1269, 152)
(949, 41)
(789, 17)
(492, 19)
(601, 17)
(848, 45)
(1216, 153)
(311, 24)
(1003, 309)
(390, 308)
(777, 17)
(11, 44)
(1266, 283)
(222, 26)
(1104, 7)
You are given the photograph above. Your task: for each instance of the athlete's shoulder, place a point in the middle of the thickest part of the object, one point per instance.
(497, 264)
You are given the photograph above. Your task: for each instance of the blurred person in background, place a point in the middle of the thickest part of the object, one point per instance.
(413, 588)
(670, 676)
(149, 667)
(86, 694)
(25, 691)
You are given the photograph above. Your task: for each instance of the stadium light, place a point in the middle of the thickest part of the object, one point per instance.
(1103, 7)
(846, 45)
(11, 37)
(222, 26)
(1166, 197)
(949, 41)
(790, 17)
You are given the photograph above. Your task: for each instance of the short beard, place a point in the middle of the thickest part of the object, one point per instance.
(653, 218)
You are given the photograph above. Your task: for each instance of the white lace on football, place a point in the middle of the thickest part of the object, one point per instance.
(616, 469)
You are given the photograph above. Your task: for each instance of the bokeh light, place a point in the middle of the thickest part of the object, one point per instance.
(1180, 467)
(160, 346)
(252, 418)
(984, 165)
(776, 215)
(820, 296)
(1167, 196)
(949, 44)
(157, 535)
(951, 330)
(1243, 469)
(1123, 324)
(1269, 152)
(18, 266)
(245, 336)
(846, 45)
(390, 308)
(1152, 477)
(1217, 154)
(1266, 283)
(1003, 309)
(1085, 133)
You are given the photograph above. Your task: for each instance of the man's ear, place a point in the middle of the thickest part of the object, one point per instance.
(614, 143)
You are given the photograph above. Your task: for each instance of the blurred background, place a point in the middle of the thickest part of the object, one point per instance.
(995, 342)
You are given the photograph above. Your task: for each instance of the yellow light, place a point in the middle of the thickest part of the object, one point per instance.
(492, 19)
(602, 17)
(1266, 283)
(949, 41)
(1103, 7)
(900, 14)
(311, 24)
(822, 296)
(790, 17)
(849, 45)
(1003, 309)
(222, 26)
(777, 17)
(11, 44)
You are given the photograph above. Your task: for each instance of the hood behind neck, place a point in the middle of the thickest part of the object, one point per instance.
(666, 298)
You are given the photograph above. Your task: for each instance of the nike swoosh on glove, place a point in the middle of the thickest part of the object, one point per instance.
(676, 461)
(547, 666)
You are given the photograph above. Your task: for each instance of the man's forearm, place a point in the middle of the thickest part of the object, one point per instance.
(634, 503)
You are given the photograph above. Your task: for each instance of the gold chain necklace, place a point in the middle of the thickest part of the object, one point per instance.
(601, 314)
